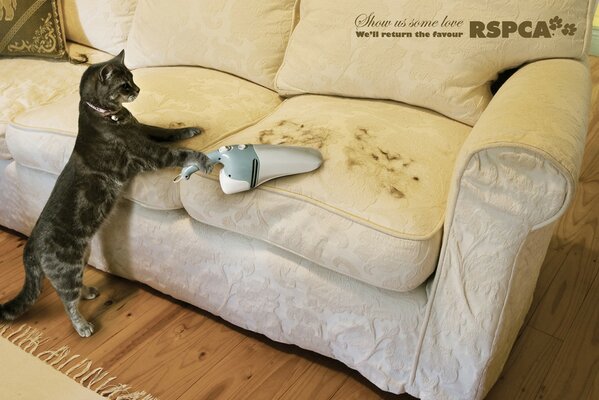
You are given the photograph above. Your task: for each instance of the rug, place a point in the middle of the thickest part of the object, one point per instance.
(27, 372)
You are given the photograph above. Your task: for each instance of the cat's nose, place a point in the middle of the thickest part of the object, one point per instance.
(135, 92)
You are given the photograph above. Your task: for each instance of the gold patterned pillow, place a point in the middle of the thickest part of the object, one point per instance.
(32, 28)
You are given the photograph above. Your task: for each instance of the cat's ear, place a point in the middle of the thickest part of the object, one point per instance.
(120, 58)
(106, 72)
(108, 69)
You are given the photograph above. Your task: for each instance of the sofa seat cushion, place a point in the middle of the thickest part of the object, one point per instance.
(27, 83)
(43, 138)
(373, 211)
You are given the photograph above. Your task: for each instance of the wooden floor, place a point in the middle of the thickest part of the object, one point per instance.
(176, 351)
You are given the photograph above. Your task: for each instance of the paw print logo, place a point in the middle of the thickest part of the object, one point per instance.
(555, 23)
(569, 30)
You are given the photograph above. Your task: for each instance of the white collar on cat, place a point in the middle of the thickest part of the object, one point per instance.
(103, 112)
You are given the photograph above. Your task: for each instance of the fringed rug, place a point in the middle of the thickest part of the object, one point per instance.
(28, 372)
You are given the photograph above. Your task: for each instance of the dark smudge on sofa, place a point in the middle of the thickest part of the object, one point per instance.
(291, 133)
(390, 156)
(351, 162)
(366, 152)
(391, 169)
(395, 192)
(362, 134)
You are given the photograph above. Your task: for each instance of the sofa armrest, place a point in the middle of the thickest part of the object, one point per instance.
(513, 179)
(544, 108)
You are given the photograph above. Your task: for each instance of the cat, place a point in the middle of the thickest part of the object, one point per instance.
(111, 148)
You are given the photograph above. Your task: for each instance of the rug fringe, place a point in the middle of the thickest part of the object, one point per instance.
(25, 337)
(29, 339)
(3, 328)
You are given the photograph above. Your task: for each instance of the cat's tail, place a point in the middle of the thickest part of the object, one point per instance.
(30, 292)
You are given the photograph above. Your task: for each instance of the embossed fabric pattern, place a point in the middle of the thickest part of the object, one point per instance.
(246, 38)
(448, 74)
(32, 28)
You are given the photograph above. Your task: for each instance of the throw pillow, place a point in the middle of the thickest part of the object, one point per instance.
(246, 38)
(32, 28)
(103, 25)
(437, 54)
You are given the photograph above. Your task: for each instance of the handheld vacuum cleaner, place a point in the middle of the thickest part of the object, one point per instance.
(246, 166)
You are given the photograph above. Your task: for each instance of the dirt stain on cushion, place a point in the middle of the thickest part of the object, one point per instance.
(294, 134)
(387, 169)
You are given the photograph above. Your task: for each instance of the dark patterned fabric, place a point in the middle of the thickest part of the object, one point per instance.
(31, 28)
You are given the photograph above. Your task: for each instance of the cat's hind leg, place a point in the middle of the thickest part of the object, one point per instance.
(88, 292)
(67, 279)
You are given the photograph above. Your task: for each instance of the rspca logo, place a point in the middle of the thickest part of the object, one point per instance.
(526, 29)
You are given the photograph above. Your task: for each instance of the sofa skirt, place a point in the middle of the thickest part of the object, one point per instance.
(247, 282)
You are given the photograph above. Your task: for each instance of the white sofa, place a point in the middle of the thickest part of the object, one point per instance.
(412, 254)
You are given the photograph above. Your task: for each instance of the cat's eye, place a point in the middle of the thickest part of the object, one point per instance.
(125, 86)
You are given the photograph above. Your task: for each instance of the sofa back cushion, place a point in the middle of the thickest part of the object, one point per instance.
(103, 25)
(437, 54)
(244, 37)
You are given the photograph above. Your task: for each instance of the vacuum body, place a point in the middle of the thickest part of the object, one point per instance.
(246, 166)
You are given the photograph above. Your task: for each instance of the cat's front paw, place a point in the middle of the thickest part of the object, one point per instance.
(84, 328)
(191, 132)
(204, 163)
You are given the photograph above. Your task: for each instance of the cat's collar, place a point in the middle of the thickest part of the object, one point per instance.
(103, 112)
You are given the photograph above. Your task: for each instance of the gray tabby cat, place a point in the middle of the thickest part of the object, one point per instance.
(111, 148)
